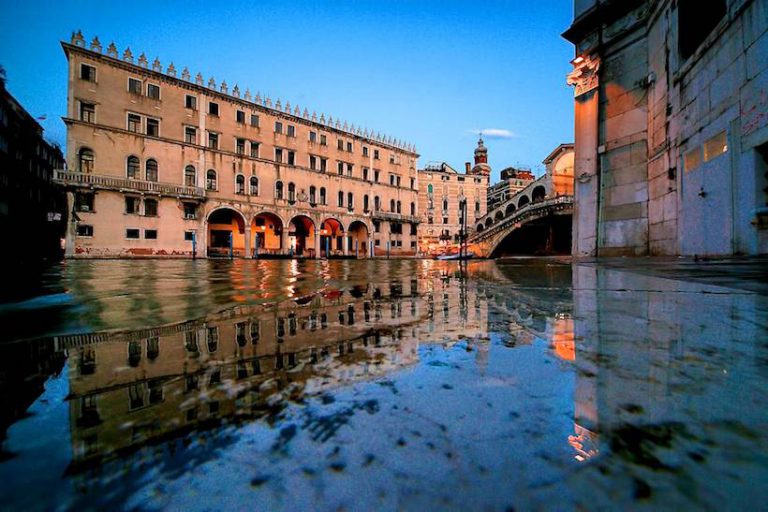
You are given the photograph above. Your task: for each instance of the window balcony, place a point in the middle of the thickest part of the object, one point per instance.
(96, 181)
(378, 214)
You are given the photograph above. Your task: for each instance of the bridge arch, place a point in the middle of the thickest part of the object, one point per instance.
(488, 222)
(511, 208)
(539, 193)
(524, 200)
(499, 215)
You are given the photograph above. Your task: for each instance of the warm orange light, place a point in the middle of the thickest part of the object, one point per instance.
(578, 60)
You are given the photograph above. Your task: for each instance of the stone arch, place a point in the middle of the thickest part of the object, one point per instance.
(524, 200)
(223, 224)
(539, 193)
(499, 215)
(359, 233)
(488, 222)
(301, 236)
(266, 232)
(331, 237)
(480, 227)
(511, 208)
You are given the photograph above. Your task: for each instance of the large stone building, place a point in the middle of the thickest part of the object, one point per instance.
(442, 190)
(32, 208)
(164, 163)
(671, 127)
(512, 181)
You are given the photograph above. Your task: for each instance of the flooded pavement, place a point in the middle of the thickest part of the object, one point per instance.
(389, 385)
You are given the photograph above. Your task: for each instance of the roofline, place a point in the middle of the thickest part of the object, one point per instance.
(559, 149)
(69, 47)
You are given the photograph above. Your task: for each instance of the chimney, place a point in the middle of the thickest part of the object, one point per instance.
(467, 167)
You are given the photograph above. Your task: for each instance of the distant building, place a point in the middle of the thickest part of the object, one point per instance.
(512, 181)
(671, 108)
(32, 208)
(441, 191)
(162, 163)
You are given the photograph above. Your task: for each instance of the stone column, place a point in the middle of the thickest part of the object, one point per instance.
(284, 240)
(247, 238)
(71, 231)
(317, 244)
(344, 245)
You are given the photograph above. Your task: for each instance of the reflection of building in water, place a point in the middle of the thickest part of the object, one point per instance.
(128, 389)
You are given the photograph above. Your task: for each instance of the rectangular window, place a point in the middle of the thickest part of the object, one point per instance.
(323, 164)
(190, 102)
(413, 183)
(153, 127)
(240, 146)
(134, 86)
(87, 73)
(190, 135)
(150, 207)
(83, 202)
(132, 205)
(87, 112)
(278, 155)
(696, 20)
(278, 127)
(397, 181)
(349, 147)
(291, 130)
(365, 173)
(375, 175)
(291, 158)
(213, 108)
(391, 179)
(350, 167)
(150, 234)
(153, 91)
(134, 123)
(340, 145)
(240, 117)
(715, 146)
(213, 140)
(340, 167)
(254, 149)
(189, 236)
(692, 159)
(84, 230)
(375, 154)
(254, 120)
(323, 140)
(392, 158)
(365, 151)
(312, 136)
(132, 233)
(313, 162)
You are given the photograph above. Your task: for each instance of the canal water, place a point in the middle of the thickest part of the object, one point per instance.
(381, 385)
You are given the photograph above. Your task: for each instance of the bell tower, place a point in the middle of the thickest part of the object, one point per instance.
(481, 159)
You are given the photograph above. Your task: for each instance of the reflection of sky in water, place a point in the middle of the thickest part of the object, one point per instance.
(383, 384)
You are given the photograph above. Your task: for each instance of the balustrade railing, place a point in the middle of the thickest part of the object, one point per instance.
(116, 183)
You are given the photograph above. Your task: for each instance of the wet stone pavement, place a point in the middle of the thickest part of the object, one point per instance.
(385, 385)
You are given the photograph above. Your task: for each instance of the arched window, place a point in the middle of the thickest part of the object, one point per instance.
(413, 209)
(133, 168)
(210, 180)
(240, 184)
(377, 203)
(392, 205)
(445, 204)
(365, 203)
(85, 160)
(151, 169)
(399, 207)
(322, 196)
(278, 190)
(312, 195)
(190, 176)
(341, 199)
(254, 186)
(291, 192)
(350, 200)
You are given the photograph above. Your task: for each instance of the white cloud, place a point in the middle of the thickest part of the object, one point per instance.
(495, 133)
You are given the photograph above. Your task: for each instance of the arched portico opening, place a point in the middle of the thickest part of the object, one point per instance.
(301, 236)
(226, 229)
(267, 231)
(511, 208)
(358, 239)
(499, 215)
(523, 201)
(480, 228)
(331, 238)
(539, 194)
(488, 222)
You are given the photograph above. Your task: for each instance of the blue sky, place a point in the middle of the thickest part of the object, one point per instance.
(428, 72)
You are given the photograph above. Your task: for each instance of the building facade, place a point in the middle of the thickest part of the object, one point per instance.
(512, 181)
(671, 115)
(167, 165)
(442, 191)
(32, 208)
